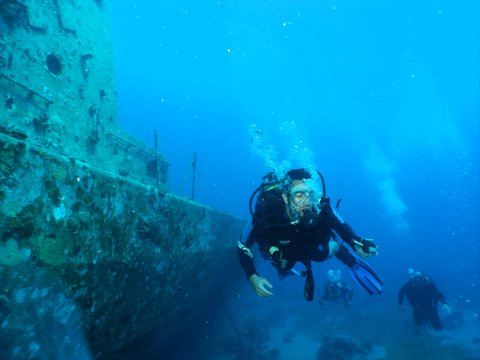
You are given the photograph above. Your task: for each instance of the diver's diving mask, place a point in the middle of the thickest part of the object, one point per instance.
(304, 204)
(303, 195)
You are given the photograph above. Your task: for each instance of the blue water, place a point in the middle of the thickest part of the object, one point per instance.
(381, 97)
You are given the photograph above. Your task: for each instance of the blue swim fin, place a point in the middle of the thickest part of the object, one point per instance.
(363, 274)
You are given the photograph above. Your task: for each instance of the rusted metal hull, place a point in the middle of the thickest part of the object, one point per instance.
(94, 250)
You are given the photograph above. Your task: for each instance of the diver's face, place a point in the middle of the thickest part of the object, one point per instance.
(299, 199)
(301, 195)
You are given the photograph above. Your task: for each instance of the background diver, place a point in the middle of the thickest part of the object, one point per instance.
(335, 288)
(424, 296)
(294, 222)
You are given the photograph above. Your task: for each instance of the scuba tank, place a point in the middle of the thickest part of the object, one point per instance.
(269, 204)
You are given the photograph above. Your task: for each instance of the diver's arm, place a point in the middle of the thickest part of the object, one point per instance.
(362, 246)
(349, 292)
(443, 300)
(257, 282)
(245, 256)
(441, 297)
(246, 259)
(244, 251)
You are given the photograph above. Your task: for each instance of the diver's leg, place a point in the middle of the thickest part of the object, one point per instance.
(325, 251)
(419, 316)
(435, 319)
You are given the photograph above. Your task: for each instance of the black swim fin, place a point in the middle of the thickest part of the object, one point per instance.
(309, 288)
(363, 274)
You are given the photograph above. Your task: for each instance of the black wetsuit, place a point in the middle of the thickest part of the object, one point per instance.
(296, 243)
(334, 290)
(423, 296)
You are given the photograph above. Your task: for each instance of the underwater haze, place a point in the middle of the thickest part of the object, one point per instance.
(382, 97)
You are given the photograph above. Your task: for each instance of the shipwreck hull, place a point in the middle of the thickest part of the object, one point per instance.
(125, 258)
(94, 250)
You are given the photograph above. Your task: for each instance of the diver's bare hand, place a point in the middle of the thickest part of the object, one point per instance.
(258, 284)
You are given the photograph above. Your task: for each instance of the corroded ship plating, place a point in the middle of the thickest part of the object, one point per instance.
(94, 250)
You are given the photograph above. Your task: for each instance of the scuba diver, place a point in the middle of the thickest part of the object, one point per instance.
(424, 296)
(294, 222)
(335, 289)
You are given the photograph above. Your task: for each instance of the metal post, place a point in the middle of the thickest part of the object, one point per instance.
(194, 168)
